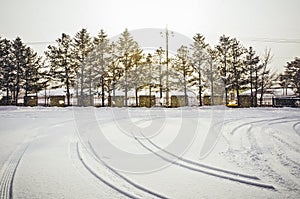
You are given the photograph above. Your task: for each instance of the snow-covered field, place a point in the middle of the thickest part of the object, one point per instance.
(207, 152)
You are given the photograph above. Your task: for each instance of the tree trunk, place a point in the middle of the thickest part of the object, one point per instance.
(200, 85)
(212, 84)
(160, 80)
(251, 87)
(136, 97)
(236, 80)
(7, 93)
(81, 87)
(262, 87)
(225, 80)
(102, 90)
(17, 86)
(68, 87)
(185, 90)
(256, 88)
(114, 94)
(126, 89)
(91, 97)
(150, 104)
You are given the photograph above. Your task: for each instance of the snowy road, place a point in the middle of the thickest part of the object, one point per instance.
(149, 153)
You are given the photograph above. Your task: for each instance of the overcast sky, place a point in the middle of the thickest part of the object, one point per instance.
(260, 23)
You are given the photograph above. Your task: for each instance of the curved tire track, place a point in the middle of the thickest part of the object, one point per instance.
(9, 172)
(112, 186)
(124, 178)
(201, 164)
(289, 145)
(254, 122)
(247, 182)
(295, 128)
(266, 154)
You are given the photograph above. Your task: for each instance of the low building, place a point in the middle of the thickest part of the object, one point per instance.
(58, 100)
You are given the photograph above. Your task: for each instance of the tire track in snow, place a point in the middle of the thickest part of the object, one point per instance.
(296, 129)
(9, 172)
(210, 173)
(201, 164)
(125, 178)
(112, 186)
(286, 161)
(101, 161)
(289, 145)
(262, 157)
(255, 122)
(197, 163)
(284, 121)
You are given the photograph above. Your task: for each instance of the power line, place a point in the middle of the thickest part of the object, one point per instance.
(39, 42)
(276, 40)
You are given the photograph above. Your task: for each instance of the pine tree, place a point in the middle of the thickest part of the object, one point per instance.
(211, 74)
(7, 69)
(19, 60)
(46, 79)
(31, 73)
(101, 43)
(114, 71)
(238, 69)
(199, 59)
(251, 62)
(63, 68)
(82, 46)
(183, 68)
(126, 48)
(137, 74)
(292, 72)
(223, 54)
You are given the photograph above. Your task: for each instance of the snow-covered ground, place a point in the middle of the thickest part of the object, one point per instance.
(207, 152)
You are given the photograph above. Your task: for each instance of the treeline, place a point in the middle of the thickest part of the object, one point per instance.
(95, 65)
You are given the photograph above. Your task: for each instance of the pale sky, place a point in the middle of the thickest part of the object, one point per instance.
(260, 23)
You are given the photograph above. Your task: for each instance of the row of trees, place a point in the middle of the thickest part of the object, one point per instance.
(20, 69)
(91, 65)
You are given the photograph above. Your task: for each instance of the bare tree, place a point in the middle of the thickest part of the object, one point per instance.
(266, 59)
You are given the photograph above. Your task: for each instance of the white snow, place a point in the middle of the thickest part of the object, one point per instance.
(91, 152)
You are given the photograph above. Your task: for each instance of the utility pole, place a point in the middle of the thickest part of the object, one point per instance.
(167, 64)
(159, 53)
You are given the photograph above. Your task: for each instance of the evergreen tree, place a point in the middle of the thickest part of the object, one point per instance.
(211, 74)
(137, 74)
(251, 62)
(114, 71)
(292, 72)
(82, 46)
(7, 69)
(183, 68)
(19, 69)
(63, 68)
(31, 73)
(19, 61)
(46, 79)
(199, 59)
(238, 70)
(223, 54)
(102, 52)
(126, 49)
